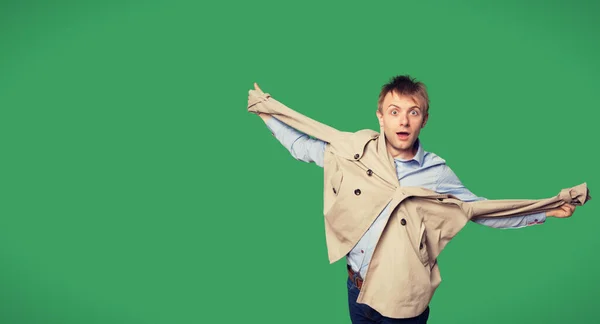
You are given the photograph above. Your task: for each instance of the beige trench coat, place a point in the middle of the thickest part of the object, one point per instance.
(360, 180)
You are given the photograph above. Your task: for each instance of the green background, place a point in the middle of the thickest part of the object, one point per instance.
(136, 187)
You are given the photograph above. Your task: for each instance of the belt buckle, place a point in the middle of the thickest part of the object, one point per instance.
(355, 279)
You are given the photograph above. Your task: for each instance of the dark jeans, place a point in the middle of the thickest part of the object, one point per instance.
(361, 313)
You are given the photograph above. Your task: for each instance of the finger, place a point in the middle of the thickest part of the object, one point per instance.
(256, 86)
(570, 207)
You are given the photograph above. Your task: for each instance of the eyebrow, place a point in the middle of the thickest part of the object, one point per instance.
(408, 107)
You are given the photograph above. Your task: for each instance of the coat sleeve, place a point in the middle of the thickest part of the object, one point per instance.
(259, 102)
(577, 196)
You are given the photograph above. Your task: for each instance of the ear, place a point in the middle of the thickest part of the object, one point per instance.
(380, 117)
(425, 120)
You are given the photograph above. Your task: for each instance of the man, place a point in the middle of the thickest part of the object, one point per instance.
(402, 113)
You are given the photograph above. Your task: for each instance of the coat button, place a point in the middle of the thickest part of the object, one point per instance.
(403, 221)
(369, 172)
(356, 156)
(357, 192)
(420, 246)
(334, 191)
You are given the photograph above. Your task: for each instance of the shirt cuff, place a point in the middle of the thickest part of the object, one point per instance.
(535, 219)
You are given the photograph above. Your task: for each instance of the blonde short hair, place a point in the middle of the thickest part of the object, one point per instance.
(404, 85)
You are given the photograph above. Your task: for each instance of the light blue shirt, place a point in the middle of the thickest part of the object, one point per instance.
(425, 170)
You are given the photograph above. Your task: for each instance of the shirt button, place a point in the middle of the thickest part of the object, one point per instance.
(369, 172)
(357, 192)
(334, 191)
(403, 221)
(356, 156)
(420, 246)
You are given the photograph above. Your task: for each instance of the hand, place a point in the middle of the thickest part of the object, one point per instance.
(265, 117)
(563, 211)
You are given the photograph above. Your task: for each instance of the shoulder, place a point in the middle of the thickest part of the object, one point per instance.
(431, 159)
(363, 136)
(353, 142)
(444, 173)
(441, 170)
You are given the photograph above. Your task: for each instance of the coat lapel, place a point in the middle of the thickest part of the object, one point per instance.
(377, 158)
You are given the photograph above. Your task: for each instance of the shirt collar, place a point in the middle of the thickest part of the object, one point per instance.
(419, 156)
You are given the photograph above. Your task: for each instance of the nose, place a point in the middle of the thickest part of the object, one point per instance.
(403, 120)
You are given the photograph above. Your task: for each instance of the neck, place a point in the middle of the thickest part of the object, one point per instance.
(403, 154)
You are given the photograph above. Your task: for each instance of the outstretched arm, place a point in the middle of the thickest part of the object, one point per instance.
(450, 184)
(301, 146)
(267, 107)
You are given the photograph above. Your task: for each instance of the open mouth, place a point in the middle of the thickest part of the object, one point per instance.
(402, 135)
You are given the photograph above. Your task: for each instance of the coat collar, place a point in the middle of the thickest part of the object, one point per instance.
(375, 158)
(379, 160)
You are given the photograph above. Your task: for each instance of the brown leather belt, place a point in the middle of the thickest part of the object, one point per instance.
(355, 277)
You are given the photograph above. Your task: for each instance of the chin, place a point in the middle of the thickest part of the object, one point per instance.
(406, 145)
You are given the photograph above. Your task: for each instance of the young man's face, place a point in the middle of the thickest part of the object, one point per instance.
(401, 119)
